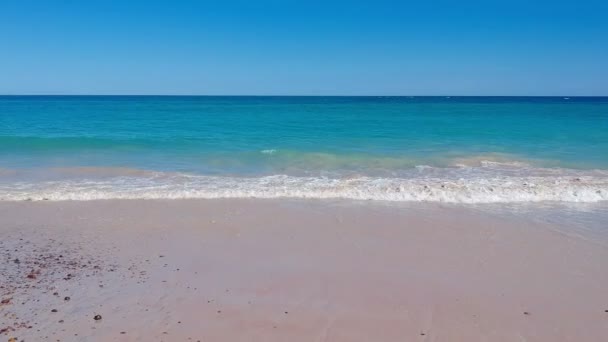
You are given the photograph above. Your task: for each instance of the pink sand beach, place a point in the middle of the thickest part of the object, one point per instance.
(270, 270)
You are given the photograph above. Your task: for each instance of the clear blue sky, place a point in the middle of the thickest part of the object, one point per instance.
(304, 47)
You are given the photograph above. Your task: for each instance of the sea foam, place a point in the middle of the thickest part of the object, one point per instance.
(495, 189)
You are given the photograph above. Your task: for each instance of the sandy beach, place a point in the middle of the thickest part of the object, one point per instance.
(265, 270)
(303, 171)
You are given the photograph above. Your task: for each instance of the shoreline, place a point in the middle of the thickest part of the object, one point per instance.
(297, 270)
(450, 185)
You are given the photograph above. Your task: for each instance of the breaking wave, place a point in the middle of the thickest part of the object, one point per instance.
(425, 184)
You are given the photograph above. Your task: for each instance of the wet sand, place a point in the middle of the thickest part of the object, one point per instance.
(270, 270)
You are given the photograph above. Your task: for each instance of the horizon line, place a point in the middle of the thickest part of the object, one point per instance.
(295, 95)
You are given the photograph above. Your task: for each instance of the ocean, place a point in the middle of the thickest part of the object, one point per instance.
(404, 149)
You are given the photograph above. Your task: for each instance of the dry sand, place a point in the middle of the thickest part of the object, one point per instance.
(254, 270)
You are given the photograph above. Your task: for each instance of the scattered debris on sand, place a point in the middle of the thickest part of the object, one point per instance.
(35, 268)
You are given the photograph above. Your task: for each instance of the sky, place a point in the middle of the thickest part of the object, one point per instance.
(304, 47)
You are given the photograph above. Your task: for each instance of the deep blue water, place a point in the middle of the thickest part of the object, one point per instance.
(69, 138)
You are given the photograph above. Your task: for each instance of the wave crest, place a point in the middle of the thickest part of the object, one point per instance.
(422, 189)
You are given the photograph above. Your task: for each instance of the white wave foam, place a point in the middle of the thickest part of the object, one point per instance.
(453, 190)
(493, 160)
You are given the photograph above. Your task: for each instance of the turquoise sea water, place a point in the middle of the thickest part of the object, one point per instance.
(451, 149)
